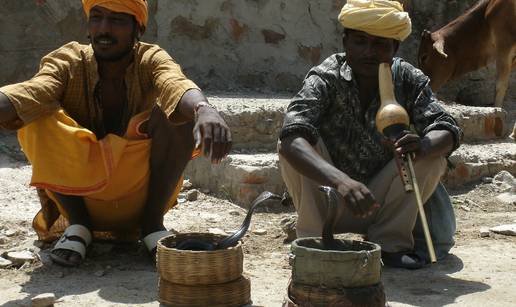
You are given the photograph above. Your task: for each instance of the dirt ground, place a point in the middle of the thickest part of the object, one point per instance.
(479, 271)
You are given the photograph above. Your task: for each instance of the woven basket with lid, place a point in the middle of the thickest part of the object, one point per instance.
(186, 267)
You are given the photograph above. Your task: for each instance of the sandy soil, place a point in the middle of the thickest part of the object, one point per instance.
(479, 272)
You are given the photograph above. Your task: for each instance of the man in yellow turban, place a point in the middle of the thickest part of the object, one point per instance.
(381, 18)
(109, 128)
(329, 136)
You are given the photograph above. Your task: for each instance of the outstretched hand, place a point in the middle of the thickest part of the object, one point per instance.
(212, 134)
(358, 198)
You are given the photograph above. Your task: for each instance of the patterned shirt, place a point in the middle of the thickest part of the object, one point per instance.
(328, 106)
(68, 78)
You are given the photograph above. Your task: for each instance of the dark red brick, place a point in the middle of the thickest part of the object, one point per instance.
(462, 171)
(237, 29)
(254, 179)
(311, 54)
(272, 37)
(182, 25)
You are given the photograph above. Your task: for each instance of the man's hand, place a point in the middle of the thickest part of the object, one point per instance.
(211, 134)
(306, 160)
(409, 142)
(357, 197)
(434, 144)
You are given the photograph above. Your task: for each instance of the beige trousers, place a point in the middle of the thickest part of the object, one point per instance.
(390, 226)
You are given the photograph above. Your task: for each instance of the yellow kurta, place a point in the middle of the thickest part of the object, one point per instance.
(67, 78)
(59, 114)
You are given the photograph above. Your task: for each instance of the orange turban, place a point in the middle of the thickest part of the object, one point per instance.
(137, 8)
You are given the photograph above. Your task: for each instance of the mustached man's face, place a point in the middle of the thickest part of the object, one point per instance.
(365, 52)
(112, 34)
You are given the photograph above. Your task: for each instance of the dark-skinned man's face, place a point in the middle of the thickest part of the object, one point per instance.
(364, 52)
(112, 34)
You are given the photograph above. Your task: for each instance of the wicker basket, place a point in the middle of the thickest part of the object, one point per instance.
(300, 295)
(186, 267)
(233, 293)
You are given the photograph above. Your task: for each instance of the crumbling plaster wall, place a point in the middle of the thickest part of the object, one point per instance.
(224, 45)
(249, 43)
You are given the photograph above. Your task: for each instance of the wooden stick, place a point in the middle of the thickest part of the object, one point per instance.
(422, 215)
(390, 118)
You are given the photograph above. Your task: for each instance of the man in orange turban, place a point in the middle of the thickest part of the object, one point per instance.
(137, 8)
(109, 128)
(329, 136)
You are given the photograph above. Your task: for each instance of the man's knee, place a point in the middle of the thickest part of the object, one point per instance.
(170, 143)
(432, 166)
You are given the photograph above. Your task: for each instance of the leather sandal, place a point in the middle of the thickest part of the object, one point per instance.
(76, 238)
(151, 240)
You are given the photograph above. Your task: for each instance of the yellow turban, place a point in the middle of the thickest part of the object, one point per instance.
(137, 8)
(376, 17)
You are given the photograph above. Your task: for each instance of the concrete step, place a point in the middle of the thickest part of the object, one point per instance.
(253, 166)
(474, 161)
(481, 123)
(255, 122)
(241, 177)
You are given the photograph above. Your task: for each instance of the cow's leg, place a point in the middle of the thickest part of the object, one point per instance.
(504, 59)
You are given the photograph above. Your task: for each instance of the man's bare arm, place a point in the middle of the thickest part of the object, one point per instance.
(307, 161)
(211, 133)
(7, 110)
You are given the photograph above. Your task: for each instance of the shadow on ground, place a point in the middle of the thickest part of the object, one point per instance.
(115, 273)
(431, 286)
(121, 274)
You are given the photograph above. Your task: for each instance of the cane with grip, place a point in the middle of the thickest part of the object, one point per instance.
(391, 119)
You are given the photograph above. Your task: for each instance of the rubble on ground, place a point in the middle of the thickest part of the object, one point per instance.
(509, 229)
(43, 300)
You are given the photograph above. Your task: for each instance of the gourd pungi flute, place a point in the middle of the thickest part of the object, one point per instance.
(391, 119)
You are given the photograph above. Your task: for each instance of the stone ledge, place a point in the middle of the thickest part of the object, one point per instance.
(241, 177)
(480, 123)
(474, 161)
(255, 122)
